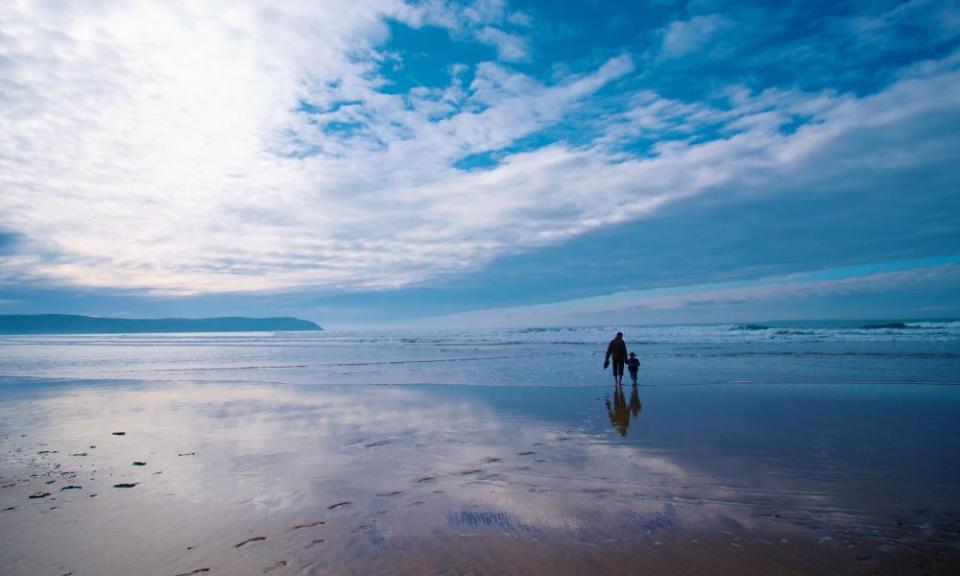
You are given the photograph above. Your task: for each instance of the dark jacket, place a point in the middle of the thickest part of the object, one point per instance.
(617, 349)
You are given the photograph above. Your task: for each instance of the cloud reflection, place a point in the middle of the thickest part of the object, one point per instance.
(374, 465)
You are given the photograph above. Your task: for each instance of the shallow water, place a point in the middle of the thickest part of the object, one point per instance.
(339, 473)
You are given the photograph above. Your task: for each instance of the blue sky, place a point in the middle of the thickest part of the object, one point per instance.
(366, 163)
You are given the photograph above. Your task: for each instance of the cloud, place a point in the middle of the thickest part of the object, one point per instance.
(940, 20)
(510, 47)
(802, 285)
(242, 147)
(683, 37)
(798, 286)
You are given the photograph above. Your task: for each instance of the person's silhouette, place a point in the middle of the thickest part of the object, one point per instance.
(633, 366)
(616, 351)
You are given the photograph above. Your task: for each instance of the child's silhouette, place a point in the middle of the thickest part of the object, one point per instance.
(633, 365)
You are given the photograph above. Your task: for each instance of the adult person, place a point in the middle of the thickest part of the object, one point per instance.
(616, 351)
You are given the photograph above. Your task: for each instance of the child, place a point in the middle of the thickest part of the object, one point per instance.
(633, 365)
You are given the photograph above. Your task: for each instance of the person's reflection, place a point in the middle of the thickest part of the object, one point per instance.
(635, 405)
(618, 410)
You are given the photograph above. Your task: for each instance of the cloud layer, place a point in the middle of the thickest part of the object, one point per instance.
(214, 147)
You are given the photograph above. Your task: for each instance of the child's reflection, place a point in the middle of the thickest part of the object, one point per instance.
(618, 410)
(635, 405)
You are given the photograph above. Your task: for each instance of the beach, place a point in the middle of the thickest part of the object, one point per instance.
(749, 450)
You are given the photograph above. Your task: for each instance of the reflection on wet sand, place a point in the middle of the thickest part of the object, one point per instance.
(618, 411)
(244, 479)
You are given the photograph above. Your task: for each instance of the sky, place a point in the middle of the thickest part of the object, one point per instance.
(481, 163)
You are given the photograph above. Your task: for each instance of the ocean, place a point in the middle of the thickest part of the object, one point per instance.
(796, 353)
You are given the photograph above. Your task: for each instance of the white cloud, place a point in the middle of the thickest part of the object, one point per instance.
(798, 287)
(510, 47)
(163, 147)
(781, 288)
(520, 19)
(684, 37)
(940, 20)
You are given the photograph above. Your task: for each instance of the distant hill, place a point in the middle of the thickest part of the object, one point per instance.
(72, 324)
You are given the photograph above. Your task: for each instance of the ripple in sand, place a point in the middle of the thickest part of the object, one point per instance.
(125, 485)
(339, 505)
(388, 494)
(426, 479)
(527, 453)
(71, 487)
(197, 571)
(119, 433)
(309, 525)
(139, 463)
(477, 519)
(38, 495)
(379, 443)
(250, 541)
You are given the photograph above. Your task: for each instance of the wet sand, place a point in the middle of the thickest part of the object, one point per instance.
(170, 478)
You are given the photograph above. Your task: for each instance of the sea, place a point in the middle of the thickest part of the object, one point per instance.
(849, 352)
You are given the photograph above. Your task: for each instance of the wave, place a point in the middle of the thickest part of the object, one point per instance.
(934, 331)
(817, 353)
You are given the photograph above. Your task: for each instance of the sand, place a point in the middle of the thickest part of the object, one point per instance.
(172, 478)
